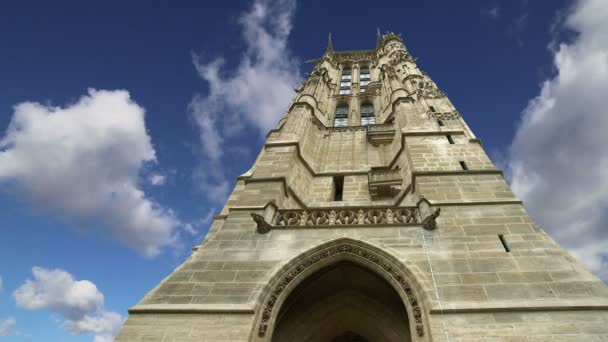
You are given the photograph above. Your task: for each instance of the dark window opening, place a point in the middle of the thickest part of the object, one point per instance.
(364, 79)
(338, 187)
(504, 243)
(345, 82)
(450, 140)
(367, 115)
(440, 123)
(463, 165)
(432, 109)
(341, 117)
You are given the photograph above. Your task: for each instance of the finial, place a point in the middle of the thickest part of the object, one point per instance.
(379, 38)
(330, 46)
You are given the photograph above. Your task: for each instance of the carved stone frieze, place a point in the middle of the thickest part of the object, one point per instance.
(356, 251)
(347, 216)
(453, 115)
(355, 56)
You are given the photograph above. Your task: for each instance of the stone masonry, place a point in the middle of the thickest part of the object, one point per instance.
(392, 226)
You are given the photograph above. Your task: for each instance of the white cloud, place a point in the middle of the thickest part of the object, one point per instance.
(6, 326)
(558, 159)
(157, 179)
(83, 161)
(493, 12)
(254, 96)
(79, 302)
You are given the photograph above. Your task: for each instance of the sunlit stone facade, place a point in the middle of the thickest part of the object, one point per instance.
(373, 213)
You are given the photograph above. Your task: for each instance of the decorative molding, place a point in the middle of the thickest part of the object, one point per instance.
(192, 308)
(453, 115)
(347, 216)
(346, 248)
(355, 56)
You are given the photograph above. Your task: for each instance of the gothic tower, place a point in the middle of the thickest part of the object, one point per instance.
(373, 213)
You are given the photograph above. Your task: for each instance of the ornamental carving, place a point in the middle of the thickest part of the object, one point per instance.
(388, 71)
(428, 90)
(400, 56)
(355, 56)
(347, 216)
(344, 248)
(445, 116)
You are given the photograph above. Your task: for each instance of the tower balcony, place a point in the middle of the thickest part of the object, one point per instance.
(380, 134)
(384, 183)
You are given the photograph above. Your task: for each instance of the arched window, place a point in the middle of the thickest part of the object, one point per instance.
(345, 82)
(367, 115)
(364, 78)
(341, 117)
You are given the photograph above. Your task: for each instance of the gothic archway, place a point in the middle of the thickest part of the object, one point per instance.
(333, 291)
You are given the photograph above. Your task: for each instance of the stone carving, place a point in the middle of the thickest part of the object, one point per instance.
(355, 56)
(347, 216)
(453, 115)
(429, 222)
(428, 90)
(400, 56)
(388, 71)
(263, 226)
(360, 252)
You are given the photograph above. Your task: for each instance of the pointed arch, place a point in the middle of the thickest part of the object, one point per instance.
(407, 281)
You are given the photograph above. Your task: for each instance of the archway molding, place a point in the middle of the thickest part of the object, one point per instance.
(373, 258)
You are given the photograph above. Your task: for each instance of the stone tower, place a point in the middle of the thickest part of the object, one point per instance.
(373, 213)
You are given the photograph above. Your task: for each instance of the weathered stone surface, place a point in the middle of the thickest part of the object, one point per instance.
(485, 273)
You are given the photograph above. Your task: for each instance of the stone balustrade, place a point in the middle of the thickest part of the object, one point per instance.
(384, 182)
(347, 216)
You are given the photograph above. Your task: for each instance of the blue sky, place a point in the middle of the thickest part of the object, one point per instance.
(123, 126)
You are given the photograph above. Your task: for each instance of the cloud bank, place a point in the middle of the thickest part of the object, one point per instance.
(558, 160)
(78, 302)
(82, 162)
(6, 326)
(255, 95)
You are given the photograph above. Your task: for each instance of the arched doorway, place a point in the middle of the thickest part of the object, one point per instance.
(342, 302)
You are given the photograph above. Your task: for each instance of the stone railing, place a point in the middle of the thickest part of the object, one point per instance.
(274, 218)
(380, 134)
(384, 182)
(347, 216)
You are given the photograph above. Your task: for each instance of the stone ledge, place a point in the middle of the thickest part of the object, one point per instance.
(521, 306)
(192, 308)
(484, 202)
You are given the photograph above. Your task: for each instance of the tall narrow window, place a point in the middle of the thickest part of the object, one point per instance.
(463, 165)
(367, 115)
(504, 243)
(432, 109)
(364, 79)
(341, 117)
(338, 187)
(345, 82)
(440, 122)
(450, 140)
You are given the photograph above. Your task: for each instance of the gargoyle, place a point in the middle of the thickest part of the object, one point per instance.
(429, 222)
(263, 226)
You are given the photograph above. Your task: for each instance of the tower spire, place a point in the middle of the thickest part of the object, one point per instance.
(330, 45)
(378, 38)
